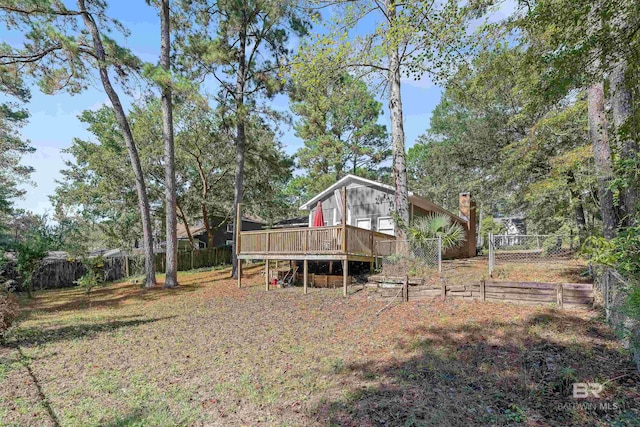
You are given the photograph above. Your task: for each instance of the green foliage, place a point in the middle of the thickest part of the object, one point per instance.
(633, 302)
(55, 52)
(477, 117)
(98, 193)
(38, 238)
(621, 253)
(488, 136)
(12, 149)
(30, 253)
(338, 124)
(95, 275)
(433, 226)
(489, 225)
(551, 245)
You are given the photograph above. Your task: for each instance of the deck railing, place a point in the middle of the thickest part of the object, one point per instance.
(337, 240)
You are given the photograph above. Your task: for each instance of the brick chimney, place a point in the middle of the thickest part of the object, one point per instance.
(468, 213)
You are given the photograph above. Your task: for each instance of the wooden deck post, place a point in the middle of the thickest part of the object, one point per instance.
(345, 276)
(239, 273)
(266, 274)
(305, 280)
(483, 293)
(126, 266)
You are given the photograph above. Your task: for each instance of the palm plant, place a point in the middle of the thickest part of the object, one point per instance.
(433, 226)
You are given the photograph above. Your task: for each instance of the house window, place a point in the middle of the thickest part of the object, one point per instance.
(364, 223)
(230, 227)
(386, 226)
(229, 243)
(336, 215)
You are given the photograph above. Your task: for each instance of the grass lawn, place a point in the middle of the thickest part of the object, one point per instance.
(211, 354)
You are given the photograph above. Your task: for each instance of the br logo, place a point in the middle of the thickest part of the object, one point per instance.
(584, 390)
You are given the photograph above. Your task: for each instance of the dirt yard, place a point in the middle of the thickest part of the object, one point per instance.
(569, 270)
(211, 354)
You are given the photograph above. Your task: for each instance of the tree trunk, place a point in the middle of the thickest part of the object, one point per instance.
(238, 186)
(397, 131)
(207, 225)
(203, 206)
(134, 158)
(183, 217)
(602, 158)
(621, 103)
(578, 206)
(171, 279)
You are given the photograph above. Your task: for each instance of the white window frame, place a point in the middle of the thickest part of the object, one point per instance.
(229, 227)
(393, 230)
(364, 219)
(335, 217)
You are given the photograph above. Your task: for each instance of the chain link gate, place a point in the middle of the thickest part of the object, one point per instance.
(531, 249)
(400, 258)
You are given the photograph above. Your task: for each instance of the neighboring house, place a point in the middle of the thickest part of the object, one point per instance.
(370, 205)
(513, 225)
(514, 228)
(223, 234)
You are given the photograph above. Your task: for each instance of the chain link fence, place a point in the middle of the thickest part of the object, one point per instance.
(615, 293)
(531, 248)
(401, 258)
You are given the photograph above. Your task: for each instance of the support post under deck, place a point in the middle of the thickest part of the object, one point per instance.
(345, 276)
(305, 279)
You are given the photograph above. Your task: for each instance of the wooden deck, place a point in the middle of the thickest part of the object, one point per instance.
(341, 242)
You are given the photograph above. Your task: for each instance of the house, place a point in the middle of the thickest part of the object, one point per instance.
(370, 205)
(222, 235)
(513, 225)
(355, 236)
(515, 230)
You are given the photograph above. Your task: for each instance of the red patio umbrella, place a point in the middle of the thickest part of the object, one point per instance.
(318, 218)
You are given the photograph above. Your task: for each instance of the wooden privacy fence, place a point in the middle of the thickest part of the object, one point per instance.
(562, 295)
(191, 260)
(62, 273)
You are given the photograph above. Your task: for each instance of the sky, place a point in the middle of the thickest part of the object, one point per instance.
(54, 122)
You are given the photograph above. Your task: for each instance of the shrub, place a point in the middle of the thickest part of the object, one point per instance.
(623, 254)
(8, 312)
(95, 275)
(433, 226)
(551, 245)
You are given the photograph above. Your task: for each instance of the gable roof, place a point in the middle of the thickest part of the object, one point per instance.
(353, 179)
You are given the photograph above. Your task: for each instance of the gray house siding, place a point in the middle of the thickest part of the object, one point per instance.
(362, 203)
